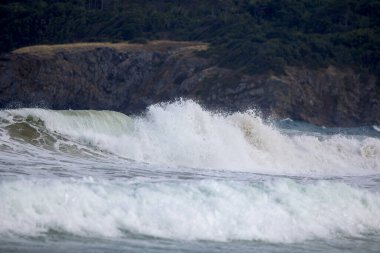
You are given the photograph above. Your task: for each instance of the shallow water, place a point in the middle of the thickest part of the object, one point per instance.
(183, 179)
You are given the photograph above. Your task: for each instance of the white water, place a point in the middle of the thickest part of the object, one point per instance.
(275, 211)
(191, 176)
(184, 134)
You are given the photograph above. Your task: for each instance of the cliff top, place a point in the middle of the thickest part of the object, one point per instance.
(158, 45)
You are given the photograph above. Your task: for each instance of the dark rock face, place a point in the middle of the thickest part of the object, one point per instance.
(129, 77)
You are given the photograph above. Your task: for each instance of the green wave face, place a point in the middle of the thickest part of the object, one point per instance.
(53, 130)
(31, 131)
(183, 134)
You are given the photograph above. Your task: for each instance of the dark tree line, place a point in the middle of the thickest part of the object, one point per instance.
(252, 35)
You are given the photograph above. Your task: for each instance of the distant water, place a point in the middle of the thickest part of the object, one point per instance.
(182, 179)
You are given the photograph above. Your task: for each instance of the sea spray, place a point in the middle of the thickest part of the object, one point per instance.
(181, 178)
(185, 134)
(280, 210)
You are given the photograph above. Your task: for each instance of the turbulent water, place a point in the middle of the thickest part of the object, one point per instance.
(180, 178)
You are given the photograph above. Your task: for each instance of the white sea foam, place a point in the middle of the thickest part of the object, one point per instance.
(274, 211)
(185, 134)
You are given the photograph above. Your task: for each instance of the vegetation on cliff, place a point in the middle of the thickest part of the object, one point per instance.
(252, 35)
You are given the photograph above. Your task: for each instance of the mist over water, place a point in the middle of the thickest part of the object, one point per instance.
(180, 173)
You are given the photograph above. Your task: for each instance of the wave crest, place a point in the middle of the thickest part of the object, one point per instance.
(185, 134)
(276, 211)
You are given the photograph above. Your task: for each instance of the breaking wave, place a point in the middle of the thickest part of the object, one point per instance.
(282, 211)
(185, 134)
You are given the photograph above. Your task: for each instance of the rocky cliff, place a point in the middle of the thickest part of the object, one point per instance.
(128, 77)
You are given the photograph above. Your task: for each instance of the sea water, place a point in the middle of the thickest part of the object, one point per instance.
(180, 178)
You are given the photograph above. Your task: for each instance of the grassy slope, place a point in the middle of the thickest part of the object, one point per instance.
(253, 35)
(45, 50)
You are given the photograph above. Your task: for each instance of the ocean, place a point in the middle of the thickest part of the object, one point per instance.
(180, 178)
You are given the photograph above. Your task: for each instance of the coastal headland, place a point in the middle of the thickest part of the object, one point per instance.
(128, 77)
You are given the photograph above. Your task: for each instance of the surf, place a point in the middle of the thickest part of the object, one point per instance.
(276, 211)
(183, 134)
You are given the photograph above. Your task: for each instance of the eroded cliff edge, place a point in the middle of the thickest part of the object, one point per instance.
(129, 77)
